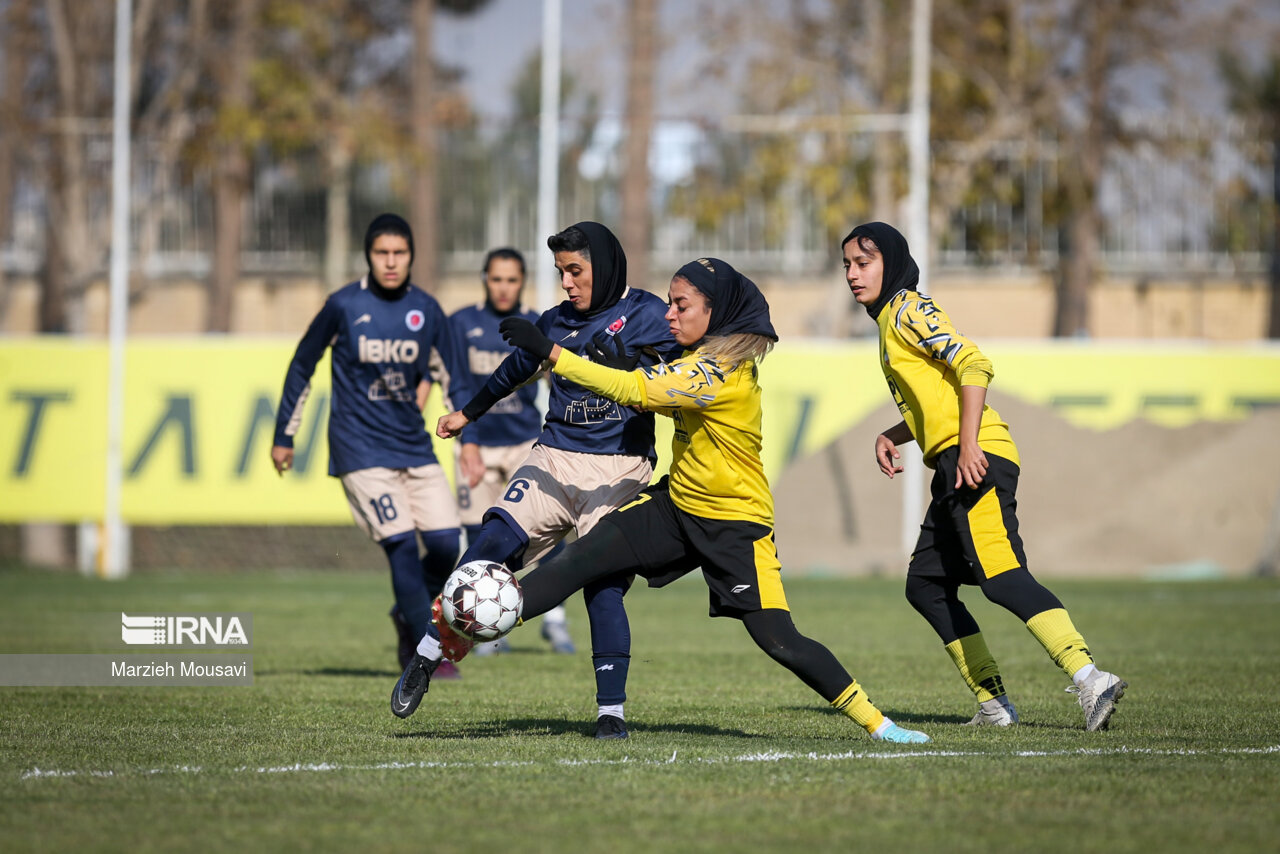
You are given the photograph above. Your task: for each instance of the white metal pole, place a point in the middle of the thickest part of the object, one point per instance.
(113, 551)
(548, 153)
(917, 232)
(918, 137)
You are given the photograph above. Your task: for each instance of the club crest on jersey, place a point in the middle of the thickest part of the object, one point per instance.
(414, 319)
(616, 327)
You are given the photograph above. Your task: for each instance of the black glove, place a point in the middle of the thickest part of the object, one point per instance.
(519, 332)
(611, 351)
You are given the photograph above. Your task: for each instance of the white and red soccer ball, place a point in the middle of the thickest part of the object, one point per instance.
(482, 600)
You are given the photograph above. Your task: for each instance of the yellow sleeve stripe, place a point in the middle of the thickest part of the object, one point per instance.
(625, 387)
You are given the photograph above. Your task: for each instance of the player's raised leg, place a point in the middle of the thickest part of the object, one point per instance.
(600, 554)
(555, 623)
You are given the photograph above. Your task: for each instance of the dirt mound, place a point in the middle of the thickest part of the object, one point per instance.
(1091, 503)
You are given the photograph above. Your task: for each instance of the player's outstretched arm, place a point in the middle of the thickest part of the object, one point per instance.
(619, 386)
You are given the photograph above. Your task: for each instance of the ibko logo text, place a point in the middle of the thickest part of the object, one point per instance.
(186, 630)
(403, 350)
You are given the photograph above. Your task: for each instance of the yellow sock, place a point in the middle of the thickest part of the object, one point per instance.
(977, 667)
(854, 703)
(1058, 635)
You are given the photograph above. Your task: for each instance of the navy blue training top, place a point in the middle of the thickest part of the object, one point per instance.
(514, 419)
(579, 419)
(382, 348)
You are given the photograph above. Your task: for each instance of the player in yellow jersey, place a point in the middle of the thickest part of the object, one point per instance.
(939, 380)
(715, 509)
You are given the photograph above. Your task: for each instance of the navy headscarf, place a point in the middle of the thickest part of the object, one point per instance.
(736, 303)
(386, 223)
(900, 270)
(608, 266)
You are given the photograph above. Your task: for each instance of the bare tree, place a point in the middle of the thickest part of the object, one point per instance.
(642, 25)
(1088, 54)
(73, 249)
(1087, 140)
(18, 44)
(318, 90)
(424, 88)
(423, 207)
(231, 176)
(1256, 95)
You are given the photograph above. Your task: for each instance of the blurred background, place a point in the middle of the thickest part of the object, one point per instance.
(1102, 188)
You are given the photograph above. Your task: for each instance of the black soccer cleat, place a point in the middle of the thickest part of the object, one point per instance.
(412, 685)
(611, 726)
(406, 645)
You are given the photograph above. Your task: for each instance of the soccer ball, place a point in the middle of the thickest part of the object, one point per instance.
(482, 600)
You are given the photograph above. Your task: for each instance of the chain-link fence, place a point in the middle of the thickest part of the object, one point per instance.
(1182, 197)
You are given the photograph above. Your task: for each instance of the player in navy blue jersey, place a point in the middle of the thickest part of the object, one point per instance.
(492, 449)
(388, 338)
(592, 456)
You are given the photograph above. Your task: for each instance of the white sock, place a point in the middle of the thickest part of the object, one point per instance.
(1082, 675)
(429, 647)
(616, 711)
(880, 730)
(555, 615)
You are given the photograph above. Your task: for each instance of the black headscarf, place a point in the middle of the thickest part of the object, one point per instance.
(386, 223)
(608, 266)
(736, 303)
(900, 270)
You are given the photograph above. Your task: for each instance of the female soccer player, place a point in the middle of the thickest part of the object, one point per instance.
(492, 450)
(715, 509)
(387, 337)
(939, 380)
(592, 457)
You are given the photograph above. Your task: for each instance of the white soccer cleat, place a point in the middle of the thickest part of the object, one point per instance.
(1098, 697)
(998, 711)
(556, 633)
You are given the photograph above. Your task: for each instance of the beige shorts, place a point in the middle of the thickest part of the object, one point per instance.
(556, 491)
(385, 502)
(500, 464)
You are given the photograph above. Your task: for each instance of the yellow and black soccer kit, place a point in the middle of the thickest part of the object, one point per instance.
(969, 536)
(714, 510)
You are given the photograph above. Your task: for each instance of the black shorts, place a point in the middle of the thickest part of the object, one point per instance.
(970, 535)
(738, 558)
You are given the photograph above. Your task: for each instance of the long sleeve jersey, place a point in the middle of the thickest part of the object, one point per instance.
(382, 348)
(579, 419)
(926, 361)
(514, 419)
(716, 469)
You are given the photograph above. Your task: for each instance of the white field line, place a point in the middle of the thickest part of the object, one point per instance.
(322, 767)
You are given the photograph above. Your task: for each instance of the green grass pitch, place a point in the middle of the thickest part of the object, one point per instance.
(728, 751)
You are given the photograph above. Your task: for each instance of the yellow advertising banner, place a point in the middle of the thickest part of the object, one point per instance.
(199, 415)
(815, 391)
(198, 425)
